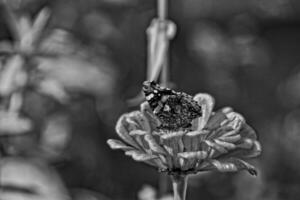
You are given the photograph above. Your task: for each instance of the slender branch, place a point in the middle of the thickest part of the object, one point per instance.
(179, 186)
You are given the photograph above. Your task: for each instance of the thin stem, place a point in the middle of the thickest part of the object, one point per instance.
(163, 184)
(179, 186)
(162, 8)
(164, 77)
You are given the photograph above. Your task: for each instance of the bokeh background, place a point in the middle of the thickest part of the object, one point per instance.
(90, 59)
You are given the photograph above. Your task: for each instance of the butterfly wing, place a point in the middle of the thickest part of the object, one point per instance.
(178, 111)
(175, 110)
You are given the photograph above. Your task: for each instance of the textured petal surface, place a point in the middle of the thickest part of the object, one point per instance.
(206, 102)
(216, 141)
(117, 144)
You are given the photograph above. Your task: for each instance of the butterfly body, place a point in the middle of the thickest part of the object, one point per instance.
(174, 109)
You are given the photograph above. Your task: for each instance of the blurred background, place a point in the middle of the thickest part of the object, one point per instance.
(67, 72)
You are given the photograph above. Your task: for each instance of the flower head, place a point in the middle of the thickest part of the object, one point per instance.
(220, 140)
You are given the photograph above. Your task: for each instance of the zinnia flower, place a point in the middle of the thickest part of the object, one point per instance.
(220, 141)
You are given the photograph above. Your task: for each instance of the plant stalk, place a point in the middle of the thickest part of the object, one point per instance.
(179, 186)
(162, 8)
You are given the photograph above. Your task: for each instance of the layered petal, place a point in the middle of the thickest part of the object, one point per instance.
(216, 141)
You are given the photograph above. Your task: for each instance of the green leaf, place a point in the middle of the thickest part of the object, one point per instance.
(13, 124)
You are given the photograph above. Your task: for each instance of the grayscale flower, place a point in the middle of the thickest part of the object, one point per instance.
(217, 141)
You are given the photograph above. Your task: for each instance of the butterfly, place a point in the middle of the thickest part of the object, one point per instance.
(175, 110)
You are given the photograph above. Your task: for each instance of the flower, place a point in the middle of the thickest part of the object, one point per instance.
(216, 141)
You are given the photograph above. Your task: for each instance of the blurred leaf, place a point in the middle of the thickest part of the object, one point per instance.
(78, 75)
(41, 182)
(30, 32)
(12, 123)
(12, 77)
(53, 89)
(100, 26)
(55, 136)
(58, 42)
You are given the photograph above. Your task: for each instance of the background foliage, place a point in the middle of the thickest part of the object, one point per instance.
(244, 53)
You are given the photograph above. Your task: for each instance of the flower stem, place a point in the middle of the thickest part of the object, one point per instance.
(179, 186)
(162, 8)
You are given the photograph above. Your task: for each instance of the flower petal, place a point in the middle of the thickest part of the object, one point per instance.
(248, 149)
(123, 132)
(231, 139)
(217, 147)
(206, 102)
(171, 135)
(147, 112)
(230, 133)
(226, 145)
(117, 144)
(215, 120)
(140, 120)
(137, 132)
(193, 155)
(172, 142)
(132, 122)
(139, 156)
(236, 120)
(231, 165)
(247, 131)
(192, 141)
(246, 143)
(154, 146)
